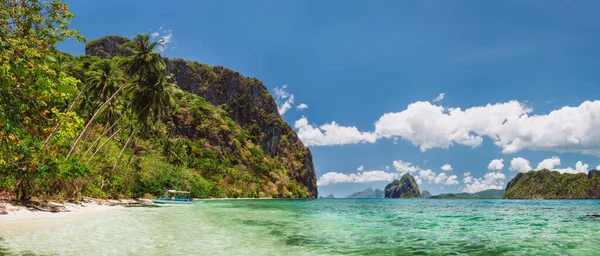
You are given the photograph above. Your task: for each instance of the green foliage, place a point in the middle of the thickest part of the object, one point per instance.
(136, 132)
(552, 184)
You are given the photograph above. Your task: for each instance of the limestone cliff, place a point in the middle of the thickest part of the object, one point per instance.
(406, 187)
(246, 100)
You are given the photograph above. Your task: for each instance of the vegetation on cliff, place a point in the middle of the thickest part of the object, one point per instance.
(121, 125)
(554, 185)
(406, 187)
(486, 194)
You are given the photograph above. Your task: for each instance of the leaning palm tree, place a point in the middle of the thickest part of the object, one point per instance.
(149, 102)
(145, 60)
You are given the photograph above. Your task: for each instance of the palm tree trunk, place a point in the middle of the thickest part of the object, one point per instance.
(94, 117)
(102, 135)
(122, 150)
(55, 129)
(104, 143)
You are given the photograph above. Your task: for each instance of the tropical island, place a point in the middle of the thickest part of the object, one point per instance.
(122, 121)
(546, 184)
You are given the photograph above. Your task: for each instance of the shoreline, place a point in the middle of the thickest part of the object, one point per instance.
(14, 211)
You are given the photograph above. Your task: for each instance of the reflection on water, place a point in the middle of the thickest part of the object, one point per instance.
(319, 227)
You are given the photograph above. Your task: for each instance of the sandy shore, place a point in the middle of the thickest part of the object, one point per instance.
(10, 211)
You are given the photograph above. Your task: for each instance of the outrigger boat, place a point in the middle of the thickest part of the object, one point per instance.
(175, 197)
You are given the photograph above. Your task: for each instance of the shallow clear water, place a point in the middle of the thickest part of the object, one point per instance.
(314, 227)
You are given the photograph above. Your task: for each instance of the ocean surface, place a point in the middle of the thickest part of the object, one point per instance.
(318, 227)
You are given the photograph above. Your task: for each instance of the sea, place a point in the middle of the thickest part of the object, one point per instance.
(317, 227)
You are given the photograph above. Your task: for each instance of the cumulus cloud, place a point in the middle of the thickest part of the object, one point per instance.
(165, 37)
(402, 166)
(427, 175)
(443, 179)
(597, 167)
(446, 167)
(510, 125)
(440, 97)
(496, 164)
(520, 164)
(492, 180)
(330, 134)
(579, 168)
(549, 163)
(361, 177)
(284, 99)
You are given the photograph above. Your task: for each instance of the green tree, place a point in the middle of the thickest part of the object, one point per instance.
(33, 89)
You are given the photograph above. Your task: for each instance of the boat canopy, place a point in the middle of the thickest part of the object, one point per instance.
(180, 192)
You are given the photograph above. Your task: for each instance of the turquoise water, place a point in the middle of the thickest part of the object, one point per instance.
(319, 227)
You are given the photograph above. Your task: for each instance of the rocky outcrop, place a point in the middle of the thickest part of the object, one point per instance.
(107, 46)
(545, 184)
(425, 194)
(246, 100)
(406, 187)
(367, 193)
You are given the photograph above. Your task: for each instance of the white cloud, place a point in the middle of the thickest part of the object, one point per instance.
(301, 107)
(452, 180)
(283, 99)
(440, 97)
(579, 168)
(496, 164)
(402, 166)
(361, 177)
(597, 167)
(520, 164)
(446, 167)
(523, 165)
(443, 179)
(427, 175)
(549, 163)
(360, 168)
(165, 35)
(330, 134)
(509, 125)
(492, 180)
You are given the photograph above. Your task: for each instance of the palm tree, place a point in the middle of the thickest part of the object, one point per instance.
(149, 104)
(146, 60)
(104, 80)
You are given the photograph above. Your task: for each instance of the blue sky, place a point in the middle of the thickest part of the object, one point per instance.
(353, 62)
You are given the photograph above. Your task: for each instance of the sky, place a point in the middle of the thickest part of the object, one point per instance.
(463, 95)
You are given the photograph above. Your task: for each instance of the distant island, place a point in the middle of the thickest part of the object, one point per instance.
(406, 187)
(546, 184)
(486, 194)
(425, 194)
(330, 196)
(367, 193)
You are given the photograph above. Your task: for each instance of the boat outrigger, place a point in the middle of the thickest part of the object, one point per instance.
(175, 197)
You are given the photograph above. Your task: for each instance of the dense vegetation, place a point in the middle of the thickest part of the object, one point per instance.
(406, 187)
(486, 194)
(554, 185)
(120, 126)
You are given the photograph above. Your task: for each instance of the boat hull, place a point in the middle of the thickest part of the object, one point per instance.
(168, 201)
